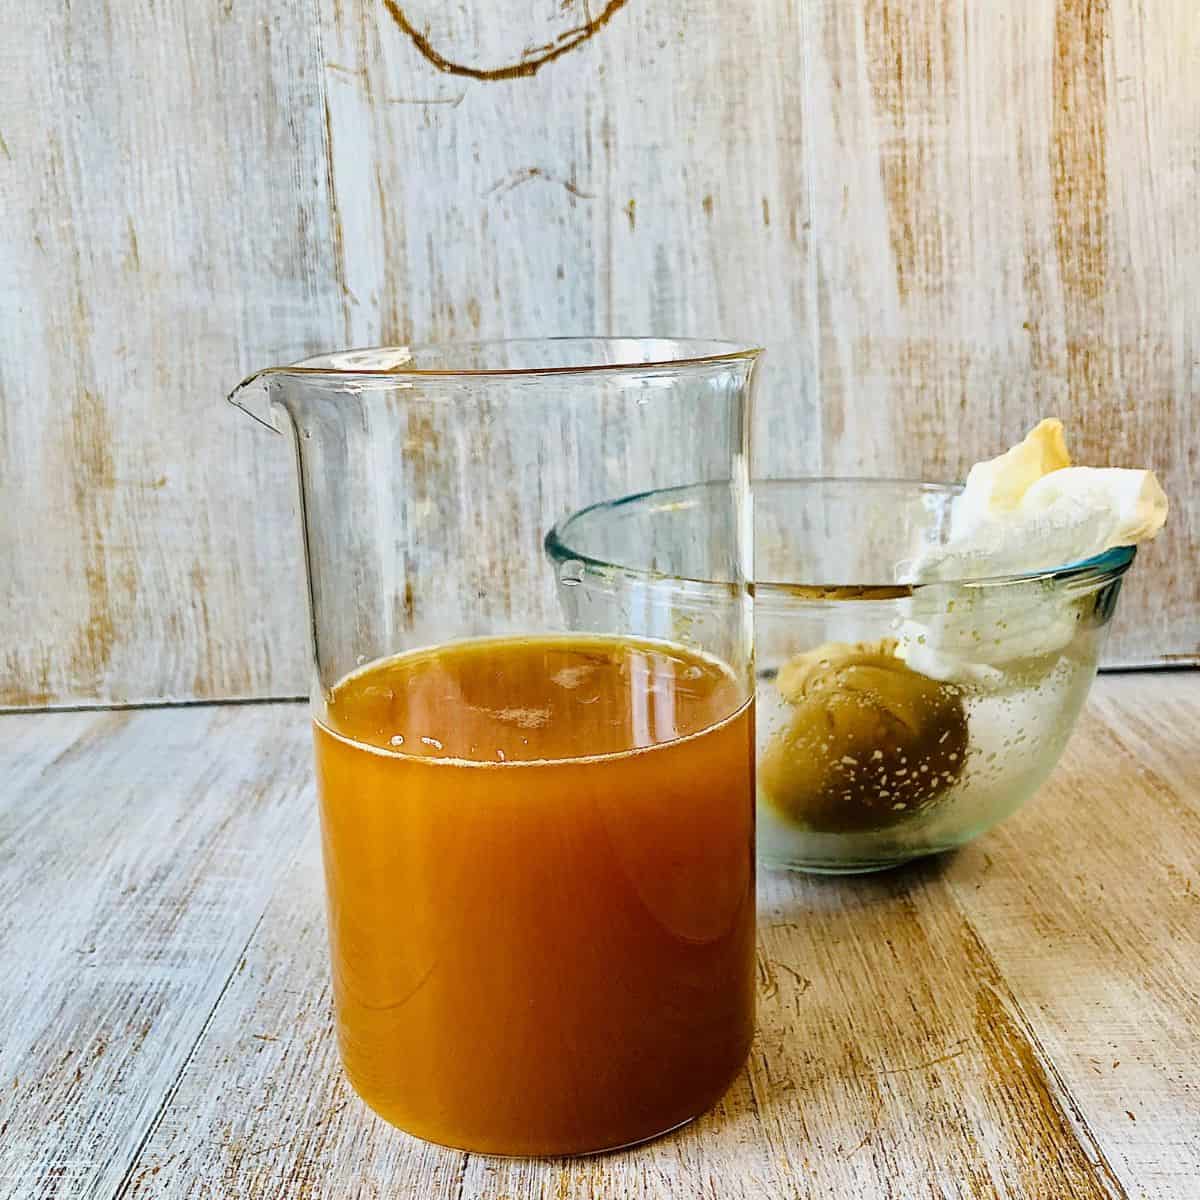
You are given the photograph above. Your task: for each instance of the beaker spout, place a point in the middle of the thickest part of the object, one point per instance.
(253, 397)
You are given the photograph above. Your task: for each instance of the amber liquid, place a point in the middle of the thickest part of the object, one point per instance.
(540, 863)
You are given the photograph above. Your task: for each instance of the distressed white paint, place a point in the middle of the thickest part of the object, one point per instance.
(944, 219)
(163, 221)
(1015, 1020)
(137, 853)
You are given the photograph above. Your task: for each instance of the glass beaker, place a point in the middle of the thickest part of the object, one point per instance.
(538, 836)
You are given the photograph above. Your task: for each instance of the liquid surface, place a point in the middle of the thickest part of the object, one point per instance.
(540, 863)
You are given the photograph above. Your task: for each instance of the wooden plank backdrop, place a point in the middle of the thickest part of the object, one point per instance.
(945, 219)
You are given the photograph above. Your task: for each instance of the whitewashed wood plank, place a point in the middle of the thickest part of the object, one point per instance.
(890, 1062)
(1001, 224)
(137, 852)
(934, 1031)
(1001, 234)
(949, 1030)
(649, 179)
(163, 225)
(1089, 903)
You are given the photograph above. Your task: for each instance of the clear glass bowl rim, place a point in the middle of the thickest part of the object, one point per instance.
(1098, 570)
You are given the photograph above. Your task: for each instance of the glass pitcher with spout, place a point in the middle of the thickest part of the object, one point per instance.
(538, 834)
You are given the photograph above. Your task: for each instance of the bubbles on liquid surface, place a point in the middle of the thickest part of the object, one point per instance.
(525, 718)
(570, 574)
(571, 677)
(397, 739)
(432, 741)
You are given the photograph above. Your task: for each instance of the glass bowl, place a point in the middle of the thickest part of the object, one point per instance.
(893, 720)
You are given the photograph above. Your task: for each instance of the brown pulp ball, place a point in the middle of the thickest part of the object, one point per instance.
(869, 741)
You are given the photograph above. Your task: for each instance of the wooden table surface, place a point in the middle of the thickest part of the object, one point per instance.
(1019, 1019)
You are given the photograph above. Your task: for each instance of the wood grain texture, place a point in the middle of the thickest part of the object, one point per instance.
(1110, 966)
(944, 219)
(163, 220)
(137, 852)
(1016, 1020)
(997, 238)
